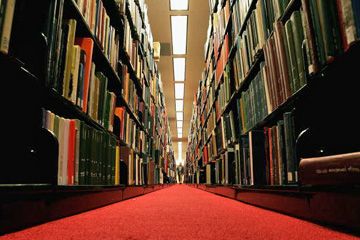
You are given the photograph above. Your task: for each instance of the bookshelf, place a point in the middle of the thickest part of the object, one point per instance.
(92, 123)
(267, 99)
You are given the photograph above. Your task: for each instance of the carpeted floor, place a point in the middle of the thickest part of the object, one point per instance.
(178, 212)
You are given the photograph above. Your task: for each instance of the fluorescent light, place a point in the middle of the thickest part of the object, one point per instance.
(179, 69)
(179, 5)
(179, 116)
(179, 129)
(179, 90)
(179, 105)
(179, 124)
(179, 135)
(179, 32)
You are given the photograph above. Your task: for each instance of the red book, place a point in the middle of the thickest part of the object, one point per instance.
(71, 152)
(330, 170)
(120, 113)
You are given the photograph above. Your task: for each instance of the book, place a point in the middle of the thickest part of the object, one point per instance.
(6, 27)
(87, 45)
(339, 169)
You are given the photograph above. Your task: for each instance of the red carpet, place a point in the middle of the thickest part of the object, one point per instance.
(178, 212)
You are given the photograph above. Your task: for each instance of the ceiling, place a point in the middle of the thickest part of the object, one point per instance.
(198, 18)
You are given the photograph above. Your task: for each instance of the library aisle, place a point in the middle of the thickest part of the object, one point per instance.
(179, 212)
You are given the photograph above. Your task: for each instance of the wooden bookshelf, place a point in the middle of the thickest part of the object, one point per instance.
(40, 203)
(306, 203)
(31, 200)
(310, 104)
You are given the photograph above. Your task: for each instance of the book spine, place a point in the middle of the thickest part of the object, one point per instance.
(7, 26)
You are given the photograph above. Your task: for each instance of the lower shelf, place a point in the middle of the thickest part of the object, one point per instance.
(336, 207)
(24, 206)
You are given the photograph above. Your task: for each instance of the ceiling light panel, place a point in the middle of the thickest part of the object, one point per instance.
(179, 34)
(179, 69)
(179, 116)
(179, 90)
(179, 105)
(176, 5)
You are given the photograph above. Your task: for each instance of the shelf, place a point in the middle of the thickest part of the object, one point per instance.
(215, 6)
(122, 102)
(293, 187)
(247, 17)
(134, 31)
(141, 12)
(45, 203)
(59, 105)
(291, 7)
(13, 62)
(247, 80)
(305, 90)
(286, 106)
(227, 29)
(139, 88)
(125, 58)
(82, 29)
(124, 144)
(113, 11)
(312, 204)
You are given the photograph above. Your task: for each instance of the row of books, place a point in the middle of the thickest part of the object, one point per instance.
(128, 131)
(260, 157)
(99, 23)
(77, 74)
(68, 58)
(253, 104)
(86, 156)
(138, 45)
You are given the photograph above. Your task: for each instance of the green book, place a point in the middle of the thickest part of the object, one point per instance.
(328, 19)
(320, 49)
(293, 72)
(298, 40)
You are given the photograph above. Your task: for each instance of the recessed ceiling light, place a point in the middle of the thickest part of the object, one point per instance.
(179, 69)
(179, 34)
(179, 5)
(179, 105)
(179, 90)
(179, 116)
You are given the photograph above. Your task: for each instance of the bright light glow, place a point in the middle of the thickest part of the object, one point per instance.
(179, 32)
(179, 69)
(179, 5)
(179, 153)
(179, 105)
(180, 150)
(179, 90)
(179, 116)
(179, 129)
(179, 124)
(179, 135)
